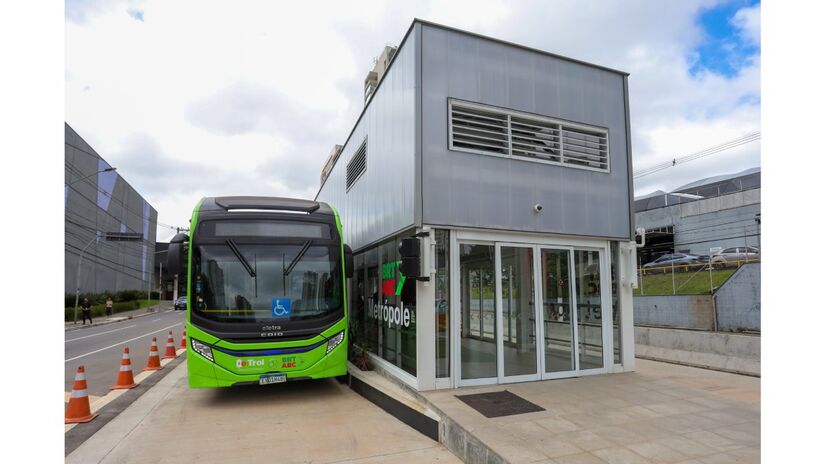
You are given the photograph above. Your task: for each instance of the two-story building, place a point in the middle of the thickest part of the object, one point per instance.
(513, 166)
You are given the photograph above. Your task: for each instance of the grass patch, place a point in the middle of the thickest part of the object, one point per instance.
(687, 283)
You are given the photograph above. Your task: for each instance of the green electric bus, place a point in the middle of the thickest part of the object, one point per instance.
(266, 286)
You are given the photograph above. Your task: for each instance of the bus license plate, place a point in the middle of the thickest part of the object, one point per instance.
(269, 379)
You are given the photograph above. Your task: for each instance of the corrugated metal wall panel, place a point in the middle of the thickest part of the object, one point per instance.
(381, 202)
(465, 189)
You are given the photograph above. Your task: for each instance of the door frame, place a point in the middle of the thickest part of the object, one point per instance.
(500, 316)
(460, 236)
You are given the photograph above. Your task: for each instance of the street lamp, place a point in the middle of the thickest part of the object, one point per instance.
(77, 282)
(90, 175)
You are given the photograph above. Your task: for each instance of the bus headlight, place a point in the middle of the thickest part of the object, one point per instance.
(202, 349)
(334, 341)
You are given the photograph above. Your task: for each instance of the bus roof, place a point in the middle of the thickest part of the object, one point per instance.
(221, 204)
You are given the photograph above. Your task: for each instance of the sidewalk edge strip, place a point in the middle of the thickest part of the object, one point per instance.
(82, 432)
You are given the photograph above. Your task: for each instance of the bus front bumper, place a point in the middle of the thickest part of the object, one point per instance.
(204, 373)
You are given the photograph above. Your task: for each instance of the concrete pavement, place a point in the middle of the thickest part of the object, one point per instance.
(662, 413)
(318, 421)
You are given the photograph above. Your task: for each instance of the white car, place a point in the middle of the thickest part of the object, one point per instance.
(734, 254)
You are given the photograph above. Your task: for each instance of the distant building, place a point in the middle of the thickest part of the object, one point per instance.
(107, 222)
(377, 73)
(162, 279)
(709, 214)
(330, 162)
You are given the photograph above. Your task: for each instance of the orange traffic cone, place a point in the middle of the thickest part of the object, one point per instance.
(124, 377)
(154, 357)
(183, 340)
(79, 409)
(170, 348)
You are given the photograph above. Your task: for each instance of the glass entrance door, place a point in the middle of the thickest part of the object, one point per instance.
(516, 313)
(477, 321)
(590, 330)
(557, 295)
(528, 311)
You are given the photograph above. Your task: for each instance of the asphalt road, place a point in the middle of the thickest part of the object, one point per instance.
(100, 348)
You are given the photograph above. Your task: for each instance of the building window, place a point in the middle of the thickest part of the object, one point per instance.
(389, 306)
(488, 130)
(357, 164)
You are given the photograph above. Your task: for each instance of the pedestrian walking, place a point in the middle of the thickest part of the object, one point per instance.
(86, 311)
(109, 305)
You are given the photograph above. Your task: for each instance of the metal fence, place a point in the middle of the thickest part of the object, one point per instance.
(686, 279)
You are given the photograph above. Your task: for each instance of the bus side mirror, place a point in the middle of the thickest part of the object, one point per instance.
(175, 255)
(348, 262)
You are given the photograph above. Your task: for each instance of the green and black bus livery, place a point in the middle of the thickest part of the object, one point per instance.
(266, 287)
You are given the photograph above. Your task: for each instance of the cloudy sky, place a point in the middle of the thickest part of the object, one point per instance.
(196, 98)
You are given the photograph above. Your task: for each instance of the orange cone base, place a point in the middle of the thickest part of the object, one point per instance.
(124, 387)
(169, 356)
(153, 368)
(81, 420)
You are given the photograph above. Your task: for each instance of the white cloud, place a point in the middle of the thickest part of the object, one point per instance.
(201, 99)
(749, 21)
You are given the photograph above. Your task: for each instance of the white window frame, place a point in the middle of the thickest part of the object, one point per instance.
(522, 115)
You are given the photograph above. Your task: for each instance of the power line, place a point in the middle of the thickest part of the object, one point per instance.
(747, 138)
(94, 185)
(117, 200)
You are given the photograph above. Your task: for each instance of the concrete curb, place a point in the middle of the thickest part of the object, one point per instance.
(456, 438)
(121, 416)
(71, 328)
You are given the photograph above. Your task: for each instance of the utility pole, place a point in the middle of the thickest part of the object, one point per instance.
(77, 275)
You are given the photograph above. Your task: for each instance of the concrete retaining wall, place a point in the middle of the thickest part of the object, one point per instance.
(738, 301)
(679, 311)
(730, 352)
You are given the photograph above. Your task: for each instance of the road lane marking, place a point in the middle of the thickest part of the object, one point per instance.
(123, 342)
(155, 320)
(101, 333)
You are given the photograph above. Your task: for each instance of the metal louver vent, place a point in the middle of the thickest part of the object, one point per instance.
(584, 148)
(487, 130)
(357, 164)
(479, 130)
(535, 139)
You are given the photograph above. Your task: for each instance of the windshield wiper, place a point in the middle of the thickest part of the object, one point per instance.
(297, 257)
(231, 244)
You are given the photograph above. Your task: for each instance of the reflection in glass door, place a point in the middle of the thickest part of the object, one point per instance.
(589, 314)
(518, 312)
(559, 353)
(478, 322)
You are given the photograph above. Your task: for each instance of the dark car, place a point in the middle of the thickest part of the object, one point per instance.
(675, 259)
(180, 303)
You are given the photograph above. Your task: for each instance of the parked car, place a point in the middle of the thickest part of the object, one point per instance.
(676, 259)
(180, 303)
(734, 254)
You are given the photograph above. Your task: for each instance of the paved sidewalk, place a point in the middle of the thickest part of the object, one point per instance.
(119, 317)
(662, 413)
(318, 421)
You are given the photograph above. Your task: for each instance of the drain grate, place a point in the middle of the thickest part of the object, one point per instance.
(498, 404)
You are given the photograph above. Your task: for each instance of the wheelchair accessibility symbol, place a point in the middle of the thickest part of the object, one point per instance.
(281, 307)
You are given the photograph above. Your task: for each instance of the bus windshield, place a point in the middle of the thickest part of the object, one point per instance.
(237, 282)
